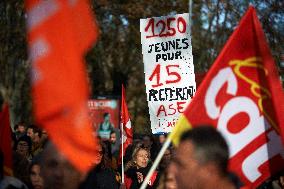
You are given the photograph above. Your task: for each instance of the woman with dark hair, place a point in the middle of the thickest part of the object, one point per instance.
(101, 176)
(34, 172)
(137, 168)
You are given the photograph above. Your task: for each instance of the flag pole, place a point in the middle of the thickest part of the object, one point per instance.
(190, 16)
(156, 162)
(122, 148)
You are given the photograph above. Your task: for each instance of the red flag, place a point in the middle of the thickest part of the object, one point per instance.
(6, 140)
(126, 132)
(59, 33)
(242, 97)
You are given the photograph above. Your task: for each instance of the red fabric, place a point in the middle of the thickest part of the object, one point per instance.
(241, 95)
(245, 187)
(126, 133)
(59, 33)
(128, 181)
(6, 140)
(153, 178)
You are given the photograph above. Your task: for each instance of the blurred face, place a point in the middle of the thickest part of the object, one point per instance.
(142, 158)
(162, 139)
(100, 153)
(36, 138)
(22, 148)
(167, 157)
(44, 135)
(21, 128)
(30, 133)
(170, 181)
(147, 142)
(281, 180)
(35, 177)
(112, 138)
(57, 172)
(107, 118)
(187, 171)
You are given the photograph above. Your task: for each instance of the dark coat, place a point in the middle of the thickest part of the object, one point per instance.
(100, 178)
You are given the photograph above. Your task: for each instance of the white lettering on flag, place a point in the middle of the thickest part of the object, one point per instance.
(39, 48)
(40, 12)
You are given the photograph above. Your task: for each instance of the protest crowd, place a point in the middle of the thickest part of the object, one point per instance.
(38, 164)
(227, 134)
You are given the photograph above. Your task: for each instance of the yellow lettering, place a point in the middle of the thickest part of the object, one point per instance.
(257, 90)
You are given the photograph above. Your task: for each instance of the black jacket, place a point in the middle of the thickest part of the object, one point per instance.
(100, 178)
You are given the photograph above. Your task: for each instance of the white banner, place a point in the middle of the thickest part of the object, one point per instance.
(168, 66)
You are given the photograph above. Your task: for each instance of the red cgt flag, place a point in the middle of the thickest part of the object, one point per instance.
(242, 97)
(126, 129)
(6, 140)
(59, 33)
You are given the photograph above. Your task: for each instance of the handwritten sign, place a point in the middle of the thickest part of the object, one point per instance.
(168, 66)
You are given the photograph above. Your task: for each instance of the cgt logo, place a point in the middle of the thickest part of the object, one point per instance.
(259, 121)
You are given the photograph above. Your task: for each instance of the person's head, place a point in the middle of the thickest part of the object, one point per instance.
(106, 116)
(30, 131)
(201, 157)
(34, 171)
(21, 128)
(166, 159)
(44, 136)
(56, 170)
(16, 126)
(37, 135)
(147, 141)
(101, 152)
(170, 180)
(140, 157)
(162, 138)
(106, 154)
(112, 137)
(281, 180)
(24, 145)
